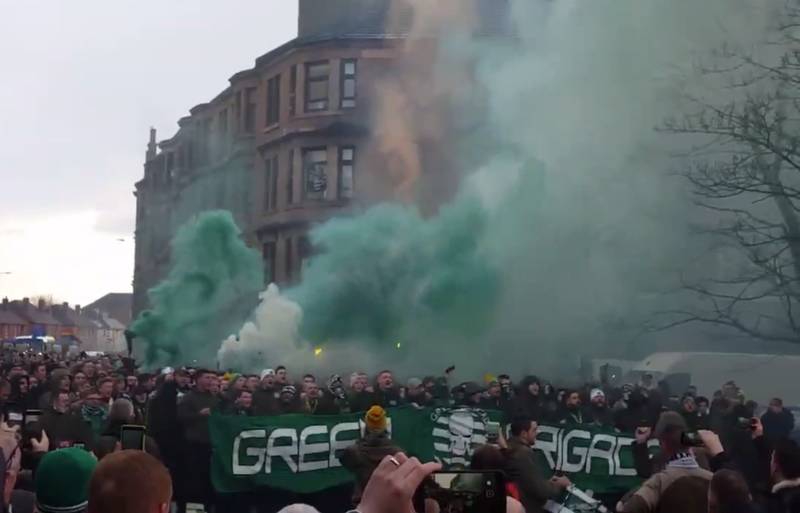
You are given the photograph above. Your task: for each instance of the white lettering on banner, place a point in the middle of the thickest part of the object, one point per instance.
(286, 451)
(558, 445)
(577, 450)
(610, 455)
(339, 445)
(312, 448)
(258, 452)
(294, 454)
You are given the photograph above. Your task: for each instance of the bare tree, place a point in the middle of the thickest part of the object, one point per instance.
(744, 167)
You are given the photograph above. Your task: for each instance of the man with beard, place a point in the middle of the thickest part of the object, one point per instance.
(416, 393)
(360, 398)
(571, 415)
(528, 403)
(598, 413)
(694, 419)
(494, 398)
(264, 400)
(386, 395)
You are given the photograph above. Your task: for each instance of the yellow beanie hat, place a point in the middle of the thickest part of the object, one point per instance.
(375, 419)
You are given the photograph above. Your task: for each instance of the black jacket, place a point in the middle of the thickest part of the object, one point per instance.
(66, 430)
(386, 398)
(526, 405)
(264, 402)
(195, 424)
(778, 425)
(360, 401)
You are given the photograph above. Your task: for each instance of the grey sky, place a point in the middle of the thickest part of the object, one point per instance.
(82, 83)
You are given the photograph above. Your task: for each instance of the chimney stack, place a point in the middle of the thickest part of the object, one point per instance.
(41, 304)
(78, 309)
(151, 146)
(5, 303)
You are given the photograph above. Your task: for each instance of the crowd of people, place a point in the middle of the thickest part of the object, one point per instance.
(59, 409)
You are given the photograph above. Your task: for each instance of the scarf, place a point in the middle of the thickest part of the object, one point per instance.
(88, 410)
(685, 460)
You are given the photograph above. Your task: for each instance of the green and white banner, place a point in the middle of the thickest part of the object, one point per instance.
(300, 452)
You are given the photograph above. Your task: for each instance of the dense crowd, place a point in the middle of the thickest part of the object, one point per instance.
(57, 409)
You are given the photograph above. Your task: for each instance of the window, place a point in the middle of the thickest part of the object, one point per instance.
(315, 173)
(273, 100)
(290, 179)
(347, 157)
(289, 257)
(305, 251)
(348, 83)
(271, 183)
(250, 110)
(317, 86)
(268, 253)
(292, 90)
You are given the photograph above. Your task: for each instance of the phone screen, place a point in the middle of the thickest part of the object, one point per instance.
(467, 491)
(32, 416)
(132, 437)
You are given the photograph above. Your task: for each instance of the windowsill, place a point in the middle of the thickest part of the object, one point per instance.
(270, 128)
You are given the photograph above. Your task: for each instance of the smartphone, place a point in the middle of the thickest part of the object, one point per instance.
(492, 432)
(132, 437)
(32, 416)
(467, 491)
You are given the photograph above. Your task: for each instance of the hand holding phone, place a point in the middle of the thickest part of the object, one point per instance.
(132, 437)
(468, 491)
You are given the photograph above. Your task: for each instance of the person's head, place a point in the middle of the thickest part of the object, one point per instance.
(91, 397)
(785, 461)
(647, 380)
(691, 390)
(288, 394)
(215, 384)
(203, 380)
(33, 382)
(60, 402)
(356, 385)
(148, 381)
(414, 387)
(89, 369)
(78, 379)
(244, 399)
(131, 382)
(130, 482)
(121, 411)
(429, 384)
(308, 379)
(183, 379)
(312, 390)
(494, 390)
(488, 457)
(105, 387)
(525, 430)
(5, 390)
(688, 404)
(385, 380)
(268, 379)
(63, 383)
(39, 371)
(598, 398)
(776, 405)
(62, 479)
(532, 385)
(572, 400)
(727, 492)
(281, 375)
(252, 383)
(375, 420)
(669, 431)
(363, 381)
(19, 385)
(702, 404)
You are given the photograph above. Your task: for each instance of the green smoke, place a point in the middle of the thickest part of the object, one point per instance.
(391, 275)
(211, 288)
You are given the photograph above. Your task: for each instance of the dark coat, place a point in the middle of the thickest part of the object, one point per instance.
(523, 469)
(526, 405)
(107, 442)
(386, 398)
(360, 401)
(777, 425)
(363, 457)
(195, 425)
(264, 402)
(66, 430)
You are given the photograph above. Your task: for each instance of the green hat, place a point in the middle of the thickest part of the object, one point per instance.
(62, 480)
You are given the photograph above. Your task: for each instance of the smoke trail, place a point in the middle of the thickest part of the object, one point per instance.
(210, 290)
